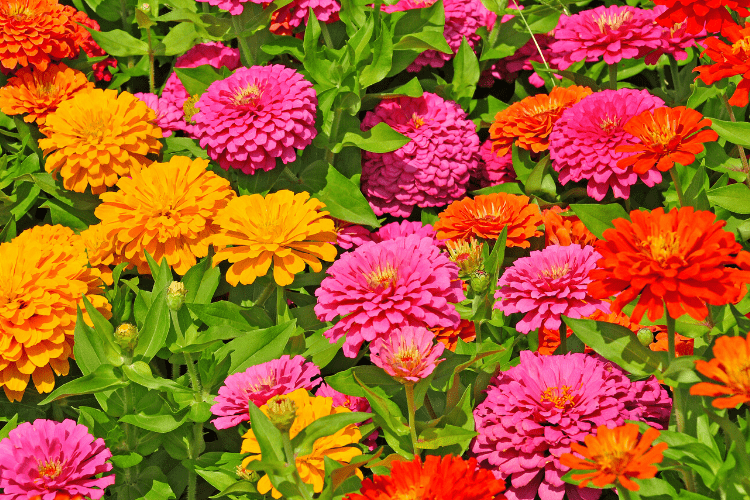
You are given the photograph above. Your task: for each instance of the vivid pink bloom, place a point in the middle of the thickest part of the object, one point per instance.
(167, 118)
(612, 33)
(48, 460)
(431, 170)
(377, 287)
(234, 7)
(405, 228)
(535, 410)
(494, 169)
(350, 235)
(255, 116)
(407, 354)
(547, 284)
(674, 40)
(260, 383)
(583, 141)
(297, 12)
(214, 54)
(508, 68)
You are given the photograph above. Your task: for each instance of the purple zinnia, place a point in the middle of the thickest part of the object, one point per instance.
(48, 460)
(583, 141)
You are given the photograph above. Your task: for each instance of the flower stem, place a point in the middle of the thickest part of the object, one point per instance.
(677, 187)
(326, 36)
(151, 84)
(740, 149)
(613, 76)
(292, 460)
(675, 70)
(536, 44)
(409, 386)
(195, 443)
(267, 291)
(245, 54)
(563, 339)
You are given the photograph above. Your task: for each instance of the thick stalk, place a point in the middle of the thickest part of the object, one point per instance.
(196, 441)
(131, 437)
(671, 352)
(677, 187)
(563, 339)
(267, 291)
(245, 55)
(326, 36)
(740, 149)
(330, 155)
(292, 460)
(151, 83)
(428, 406)
(409, 386)
(612, 68)
(675, 70)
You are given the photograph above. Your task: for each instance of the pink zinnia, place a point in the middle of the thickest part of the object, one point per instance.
(612, 33)
(260, 383)
(583, 141)
(234, 7)
(167, 118)
(431, 170)
(46, 460)
(255, 116)
(297, 12)
(381, 286)
(493, 169)
(350, 235)
(405, 228)
(548, 284)
(674, 40)
(407, 354)
(535, 410)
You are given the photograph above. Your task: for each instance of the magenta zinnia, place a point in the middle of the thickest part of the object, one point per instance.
(407, 354)
(494, 169)
(168, 117)
(48, 460)
(381, 286)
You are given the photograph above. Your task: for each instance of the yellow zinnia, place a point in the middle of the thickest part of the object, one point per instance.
(97, 136)
(311, 467)
(284, 228)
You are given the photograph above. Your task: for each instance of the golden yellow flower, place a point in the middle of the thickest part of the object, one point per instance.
(311, 467)
(97, 136)
(284, 228)
(166, 209)
(43, 276)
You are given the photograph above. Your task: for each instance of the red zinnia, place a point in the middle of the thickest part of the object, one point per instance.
(730, 60)
(712, 14)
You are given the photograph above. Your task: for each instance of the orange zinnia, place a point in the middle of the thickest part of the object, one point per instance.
(285, 228)
(529, 122)
(44, 276)
(37, 93)
(681, 258)
(614, 456)
(565, 230)
(165, 209)
(99, 250)
(683, 345)
(668, 136)
(97, 136)
(730, 60)
(485, 217)
(465, 331)
(729, 368)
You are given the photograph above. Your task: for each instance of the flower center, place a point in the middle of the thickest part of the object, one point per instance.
(609, 22)
(407, 357)
(561, 398)
(261, 383)
(613, 461)
(417, 120)
(384, 276)
(19, 11)
(555, 272)
(609, 123)
(49, 470)
(47, 89)
(661, 247)
(188, 107)
(247, 96)
(676, 27)
(742, 47)
(96, 128)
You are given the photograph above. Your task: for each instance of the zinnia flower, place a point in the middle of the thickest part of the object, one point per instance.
(296, 13)
(350, 235)
(729, 368)
(429, 171)
(50, 460)
(683, 345)
(311, 467)
(405, 228)
(699, 13)
(260, 383)
(437, 478)
(485, 216)
(449, 337)
(167, 117)
(285, 228)
(729, 61)
(82, 39)
(680, 258)
(165, 209)
(353, 403)
(614, 456)
(611, 33)
(494, 169)
(256, 115)
(565, 229)
(548, 284)
(529, 122)
(43, 278)
(37, 93)
(508, 68)
(407, 354)
(234, 7)
(675, 39)
(97, 136)
(583, 141)
(665, 136)
(392, 284)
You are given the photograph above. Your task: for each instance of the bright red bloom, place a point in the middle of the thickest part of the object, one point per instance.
(729, 60)
(667, 136)
(712, 14)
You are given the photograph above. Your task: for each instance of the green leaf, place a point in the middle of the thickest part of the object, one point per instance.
(284, 45)
(426, 40)
(434, 438)
(344, 200)
(9, 426)
(379, 139)
(228, 314)
(119, 43)
(465, 74)
(598, 218)
(734, 132)
(382, 58)
(734, 197)
(268, 436)
(92, 348)
(140, 373)
(153, 334)
(197, 80)
(102, 379)
(178, 41)
(257, 346)
(161, 424)
(303, 442)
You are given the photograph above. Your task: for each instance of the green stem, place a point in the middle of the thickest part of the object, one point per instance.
(290, 175)
(675, 70)
(326, 36)
(409, 386)
(195, 382)
(670, 335)
(245, 55)
(330, 155)
(740, 149)
(677, 187)
(536, 44)
(612, 76)
(662, 77)
(267, 291)
(292, 460)
(428, 406)
(151, 71)
(563, 339)
(131, 436)
(622, 492)
(196, 441)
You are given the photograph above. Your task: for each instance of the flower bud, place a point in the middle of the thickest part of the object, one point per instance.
(126, 336)
(247, 475)
(645, 337)
(467, 256)
(281, 412)
(479, 281)
(176, 295)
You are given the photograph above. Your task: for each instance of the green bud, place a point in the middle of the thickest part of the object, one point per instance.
(176, 295)
(247, 475)
(281, 412)
(645, 337)
(479, 281)
(126, 336)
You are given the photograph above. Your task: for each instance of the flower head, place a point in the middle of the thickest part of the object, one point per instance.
(165, 209)
(699, 14)
(283, 228)
(234, 7)
(50, 460)
(429, 171)
(494, 169)
(96, 137)
(407, 354)
(614, 456)
(256, 115)
(611, 33)
(467, 255)
(665, 136)
(729, 61)
(583, 141)
(437, 478)
(350, 235)
(167, 117)
(260, 383)
(407, 281)
(485, 216)
(529, 122)
(680, 258)
(37, 93)
(404, 228)
(728, 367)
(449, 336)
(296, 14)
(565, 229)
(675, 39)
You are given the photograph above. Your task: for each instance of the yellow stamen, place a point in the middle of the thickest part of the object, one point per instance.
(661, 247)
(247, 95)
(609, 22)
(742, 47)
(188, 107)
(49, 470)
(384, 276)
(560, 397)
(555, 272)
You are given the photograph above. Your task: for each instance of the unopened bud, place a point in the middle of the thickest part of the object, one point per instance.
(247, 475)
(281, 412)
(467, 256)
(645, 337)
(126, 336)
(176, 295)
(479, 281)
(188, 107)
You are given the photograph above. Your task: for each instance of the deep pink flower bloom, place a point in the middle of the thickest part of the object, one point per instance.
(431, 170)
(377, 287)
(255, 116)
(45, 459)
(583, 141)
(234, 7)
(493, 169)
(167, 118)
(260, 383)
(297, 12)
(535, 410)
(547, 284)
(674, 40)
(405, 228)
(407, 354)
(612, 33)
(350, 235)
